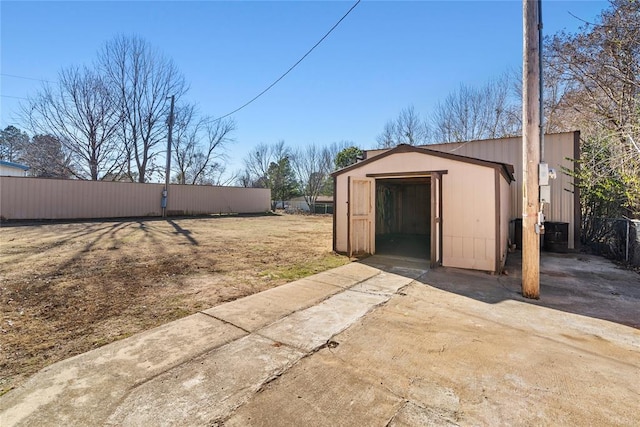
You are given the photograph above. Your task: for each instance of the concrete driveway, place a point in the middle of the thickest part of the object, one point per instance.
(377, 343)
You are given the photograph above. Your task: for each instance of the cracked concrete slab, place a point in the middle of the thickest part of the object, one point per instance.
(488, 362)
(382, 284)
(354, 270)
(208, 388)
(328, 278)
(452, 347)
(258, 310)
(319, 391)
(83, 390)
(413, 415)
(309, 329)
(347, 275)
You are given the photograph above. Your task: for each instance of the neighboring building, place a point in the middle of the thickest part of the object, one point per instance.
(413, 201)
(12, 169)
(324, 204)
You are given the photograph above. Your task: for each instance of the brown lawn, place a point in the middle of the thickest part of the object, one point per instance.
(67, 288)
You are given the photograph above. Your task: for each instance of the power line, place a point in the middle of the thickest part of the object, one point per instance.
(291, 68)
(599, 25)
(252, 99)
(14, 97)
(25, 78)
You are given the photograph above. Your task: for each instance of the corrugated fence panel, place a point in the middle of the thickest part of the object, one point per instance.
(507, 150)
(558, 149)
(37, 198)
(197, 199)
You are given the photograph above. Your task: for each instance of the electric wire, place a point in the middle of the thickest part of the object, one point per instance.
(25, 78)
(15, 76)
(290, 68)
(599, 25)
(252, 99)
(14, 97)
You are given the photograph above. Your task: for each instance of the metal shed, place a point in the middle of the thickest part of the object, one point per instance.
(450, 209)
(561, 152)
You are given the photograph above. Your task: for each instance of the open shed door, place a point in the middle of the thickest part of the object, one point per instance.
(361, 216)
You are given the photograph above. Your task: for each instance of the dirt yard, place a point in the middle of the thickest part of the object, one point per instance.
(68, 288)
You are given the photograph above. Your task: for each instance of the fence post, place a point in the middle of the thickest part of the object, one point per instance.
(626, 256)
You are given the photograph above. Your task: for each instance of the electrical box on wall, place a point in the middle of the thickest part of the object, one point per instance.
(543, 174)
(545, 193)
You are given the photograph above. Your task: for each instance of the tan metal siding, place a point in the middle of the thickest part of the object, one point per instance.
(341, 211)
(36, 198)
(558, 148)
(508, 150)
(196, 199)
(468, 211)
(505, 194)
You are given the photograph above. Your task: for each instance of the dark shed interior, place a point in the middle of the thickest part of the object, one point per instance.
(403, 217)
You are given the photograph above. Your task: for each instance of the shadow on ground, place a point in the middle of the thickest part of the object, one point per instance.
(40, 222)
(581, 284)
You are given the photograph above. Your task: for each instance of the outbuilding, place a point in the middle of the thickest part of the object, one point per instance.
(12, 169)
(411, 201)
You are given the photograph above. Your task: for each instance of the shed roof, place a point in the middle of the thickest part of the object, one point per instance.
(505, 169)
(14, 165)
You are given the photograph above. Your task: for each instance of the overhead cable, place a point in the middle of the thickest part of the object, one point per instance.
(291, 68)
(25, 78)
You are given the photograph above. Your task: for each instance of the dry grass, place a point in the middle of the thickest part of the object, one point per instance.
(68, 288)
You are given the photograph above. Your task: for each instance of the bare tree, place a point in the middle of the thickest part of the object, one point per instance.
(269, 166)
(243, 178)
(198, 147)
(477, 113)
(211, 159)
(597, 74)
(222, 177)
(387, 139)
(45, 156)
(312, 166)
(142, 80)
(407, 128)
(259, 160)
(185, 138)
(256, 166)
(80, 111)
(599, 70)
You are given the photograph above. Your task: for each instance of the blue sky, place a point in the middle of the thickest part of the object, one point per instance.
(384, 56)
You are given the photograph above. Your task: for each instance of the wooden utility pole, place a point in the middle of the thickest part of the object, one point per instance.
(531, 149)
(165, 195)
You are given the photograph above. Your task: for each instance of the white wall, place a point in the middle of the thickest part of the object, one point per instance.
(11, 171)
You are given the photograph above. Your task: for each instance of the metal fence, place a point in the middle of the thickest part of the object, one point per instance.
(618, 239)
(24, 198)
(323, 208)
